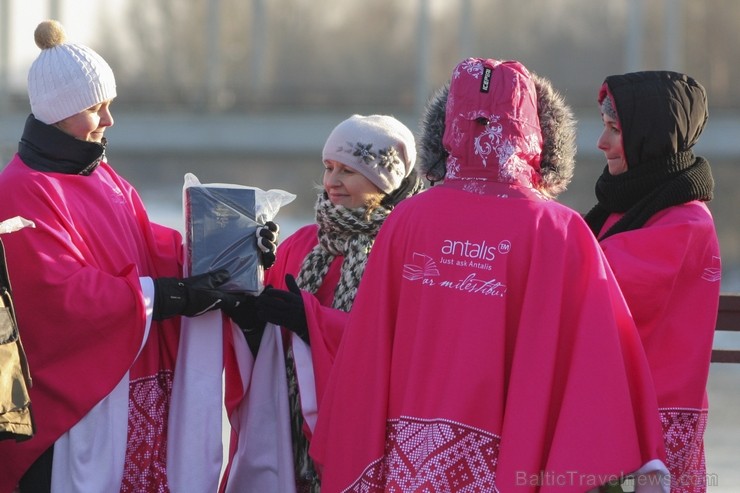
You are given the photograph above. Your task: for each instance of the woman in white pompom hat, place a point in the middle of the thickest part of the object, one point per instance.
(98, 292)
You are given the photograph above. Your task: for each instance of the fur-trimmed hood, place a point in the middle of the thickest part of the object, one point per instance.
(556, 122)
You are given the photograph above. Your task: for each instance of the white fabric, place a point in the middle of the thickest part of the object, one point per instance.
(194, 444)
(306, 381)
(90, 456)
(147, 289)
(15, 224)
(653, 477)
(264, 458)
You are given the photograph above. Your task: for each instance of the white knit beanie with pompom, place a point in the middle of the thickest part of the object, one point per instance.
(66, 78)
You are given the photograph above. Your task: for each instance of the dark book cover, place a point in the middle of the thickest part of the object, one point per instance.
(221, 233)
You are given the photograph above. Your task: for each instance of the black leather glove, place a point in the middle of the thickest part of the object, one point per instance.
(245, 316)
(267, 236)
(284, 308)
(192, 296)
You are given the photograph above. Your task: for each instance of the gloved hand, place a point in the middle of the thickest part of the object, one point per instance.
(267, 236)
(192, 296)
(245, 316)
(284, 308)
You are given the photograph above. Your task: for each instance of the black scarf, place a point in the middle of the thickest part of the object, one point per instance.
(46, 148)
(648, 189)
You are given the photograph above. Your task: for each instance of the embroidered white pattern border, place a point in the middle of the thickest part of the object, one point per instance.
(434, 456)
(683, 433)
(145, 468)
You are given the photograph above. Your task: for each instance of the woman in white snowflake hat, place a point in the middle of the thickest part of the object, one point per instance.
(368, 166)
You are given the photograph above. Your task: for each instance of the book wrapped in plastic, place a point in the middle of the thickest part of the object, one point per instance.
(221, 223)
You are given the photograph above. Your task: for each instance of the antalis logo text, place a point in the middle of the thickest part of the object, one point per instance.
(468, 249)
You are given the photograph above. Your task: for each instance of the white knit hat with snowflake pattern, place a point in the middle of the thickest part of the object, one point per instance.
(380, 147)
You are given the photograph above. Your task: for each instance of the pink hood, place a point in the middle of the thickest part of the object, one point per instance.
(557, 125)
(491, 132)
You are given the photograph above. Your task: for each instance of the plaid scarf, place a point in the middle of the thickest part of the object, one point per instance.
(342, 231)
(350, 233)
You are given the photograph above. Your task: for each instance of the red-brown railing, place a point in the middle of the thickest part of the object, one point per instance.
(728, 320)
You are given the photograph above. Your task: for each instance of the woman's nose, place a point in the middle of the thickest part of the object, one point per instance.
(106, 119)
(601, 142)
(332, 179)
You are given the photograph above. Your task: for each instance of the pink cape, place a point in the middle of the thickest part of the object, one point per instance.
(495, 356)
(80, 308)
(669, 272)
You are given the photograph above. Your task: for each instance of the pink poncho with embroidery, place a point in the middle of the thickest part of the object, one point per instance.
(489, 347)
(667, 269)
(81, 310)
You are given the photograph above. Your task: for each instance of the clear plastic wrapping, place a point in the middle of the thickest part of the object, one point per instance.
(221, 223)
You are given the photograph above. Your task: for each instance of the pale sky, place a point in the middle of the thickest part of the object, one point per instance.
(79, 18)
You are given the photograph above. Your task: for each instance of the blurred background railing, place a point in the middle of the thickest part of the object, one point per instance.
(260, 83)
(294, 55)
(246, 91)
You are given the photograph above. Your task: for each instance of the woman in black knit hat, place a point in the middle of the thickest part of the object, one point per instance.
(658, 234)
